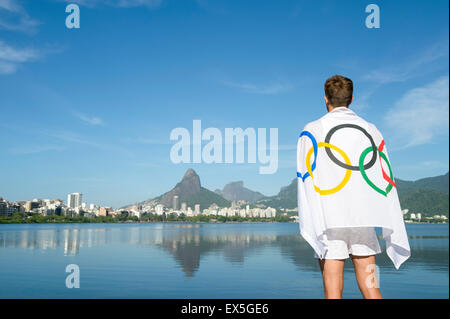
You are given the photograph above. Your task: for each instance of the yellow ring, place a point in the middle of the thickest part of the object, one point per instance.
(347, 174)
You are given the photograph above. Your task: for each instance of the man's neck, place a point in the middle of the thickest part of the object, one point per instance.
(331, 108)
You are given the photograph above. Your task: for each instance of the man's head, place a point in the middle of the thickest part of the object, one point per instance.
(338, 92)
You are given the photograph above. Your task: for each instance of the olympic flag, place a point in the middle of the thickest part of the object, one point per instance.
(345, 180)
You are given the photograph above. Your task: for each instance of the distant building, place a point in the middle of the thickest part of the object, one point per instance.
(197, 208)
(3, 209)
(105, 211)
(30, 205)
(183, 207)
(176, 202)
(159, 209)
(74, 200)
(135, 213)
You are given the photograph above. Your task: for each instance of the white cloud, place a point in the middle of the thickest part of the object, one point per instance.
(90, 179)
(76, 138)
(11, 58)
(7, 68)
(287, 147)
(14, 17)
(431, 164)
(92, 120)
(410, 66)
(136, 3)
(118, 3)
(11, 54)
(148, 165)
(213, 6)
(33, 149)
(273, 88)
(420, 115)
(361, 100)
(144, 140)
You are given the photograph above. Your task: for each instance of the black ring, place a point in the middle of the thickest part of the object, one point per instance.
(334, 159)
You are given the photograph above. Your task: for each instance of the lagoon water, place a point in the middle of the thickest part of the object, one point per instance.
(181, 260)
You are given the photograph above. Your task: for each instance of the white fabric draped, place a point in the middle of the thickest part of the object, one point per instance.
(345, 180)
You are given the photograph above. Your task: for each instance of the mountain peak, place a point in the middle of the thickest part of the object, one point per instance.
(237, 183)
(237, 191)
(188, 186)
(189, 191)
(190, 173)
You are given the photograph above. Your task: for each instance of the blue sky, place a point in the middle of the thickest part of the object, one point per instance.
(90, 110)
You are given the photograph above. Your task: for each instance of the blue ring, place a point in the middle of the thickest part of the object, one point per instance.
(314, 143)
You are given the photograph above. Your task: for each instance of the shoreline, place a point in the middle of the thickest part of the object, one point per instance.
(156, 222)
(425, 222)
(190, 222)
(151, 222)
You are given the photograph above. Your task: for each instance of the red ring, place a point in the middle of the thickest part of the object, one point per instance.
(385, 176)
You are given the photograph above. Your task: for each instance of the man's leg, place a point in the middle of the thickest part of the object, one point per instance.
(333, 277)
(365, 271)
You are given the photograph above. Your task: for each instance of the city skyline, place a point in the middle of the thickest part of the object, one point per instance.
(91, 110)
(74, 200)
(74, 207)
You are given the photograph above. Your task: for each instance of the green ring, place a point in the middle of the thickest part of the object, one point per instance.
(366, 178)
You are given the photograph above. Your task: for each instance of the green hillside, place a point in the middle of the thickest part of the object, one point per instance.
(437, 183)
(205, 198)
(428, 196)
(286, 198)
(428, 202)
(190, 191)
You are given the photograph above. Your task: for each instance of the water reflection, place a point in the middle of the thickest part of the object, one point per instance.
(189, 243)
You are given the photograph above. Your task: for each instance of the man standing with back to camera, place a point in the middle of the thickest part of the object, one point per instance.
(346, 188)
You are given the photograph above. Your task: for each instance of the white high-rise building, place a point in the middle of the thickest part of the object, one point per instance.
(175, 202)
(74, 200)
(159, 209)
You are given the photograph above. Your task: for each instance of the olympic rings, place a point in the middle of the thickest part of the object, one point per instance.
(314, 143)
(366, 178)
(347, 174)
(348, 166)
(385, 176)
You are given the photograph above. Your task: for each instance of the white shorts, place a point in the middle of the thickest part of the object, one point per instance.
(357, 241)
